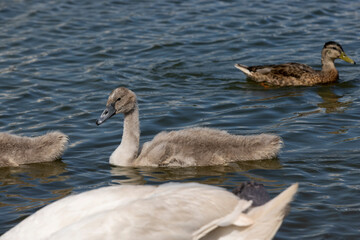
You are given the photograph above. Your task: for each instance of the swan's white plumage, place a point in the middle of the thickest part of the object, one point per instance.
(169, 211)
(266, 221)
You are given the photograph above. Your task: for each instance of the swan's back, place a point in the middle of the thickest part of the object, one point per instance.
(169, 211)
(177, 211)
(16, 150)
(206, 146)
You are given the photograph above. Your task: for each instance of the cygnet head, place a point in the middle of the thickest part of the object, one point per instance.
(121, 100)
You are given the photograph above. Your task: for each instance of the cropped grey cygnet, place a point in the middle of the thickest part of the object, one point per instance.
(16, 150)
(183, 148)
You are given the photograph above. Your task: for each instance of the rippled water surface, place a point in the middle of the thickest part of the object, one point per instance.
(60, 59)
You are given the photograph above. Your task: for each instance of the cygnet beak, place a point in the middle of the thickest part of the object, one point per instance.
(106, 114)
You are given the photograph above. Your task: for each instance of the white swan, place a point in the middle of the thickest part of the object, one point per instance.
(176, 211)
(188, 147)
(16, 150)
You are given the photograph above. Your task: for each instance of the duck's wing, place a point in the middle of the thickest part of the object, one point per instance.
(259, 223)
(294, 70)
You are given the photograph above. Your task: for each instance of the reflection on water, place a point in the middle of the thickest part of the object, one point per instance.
(30, 187)
(331, 102)
(287, 94)
(206, 175)
(60, 59)
(126, 175)
(42, 172)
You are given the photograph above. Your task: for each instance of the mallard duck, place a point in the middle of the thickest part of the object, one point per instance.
(16, 150)
(297, 74)
(183, 148)
(177, 211)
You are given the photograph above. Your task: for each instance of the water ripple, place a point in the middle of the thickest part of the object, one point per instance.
(60, 59)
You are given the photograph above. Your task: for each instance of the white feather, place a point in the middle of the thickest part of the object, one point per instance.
(176, 211)
(244, 69)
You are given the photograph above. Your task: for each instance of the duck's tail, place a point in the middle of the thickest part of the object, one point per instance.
(243, 68)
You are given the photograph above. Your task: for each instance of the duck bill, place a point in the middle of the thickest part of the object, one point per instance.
(344, 57)
(106, 114)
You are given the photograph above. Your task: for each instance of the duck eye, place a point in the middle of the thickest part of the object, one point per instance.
(118, 99)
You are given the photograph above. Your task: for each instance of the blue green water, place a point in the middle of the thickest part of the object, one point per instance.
(60, 59)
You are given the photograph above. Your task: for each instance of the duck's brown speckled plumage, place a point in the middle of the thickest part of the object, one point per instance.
(297, 74)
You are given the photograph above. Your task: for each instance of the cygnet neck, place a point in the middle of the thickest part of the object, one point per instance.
(127, 151)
